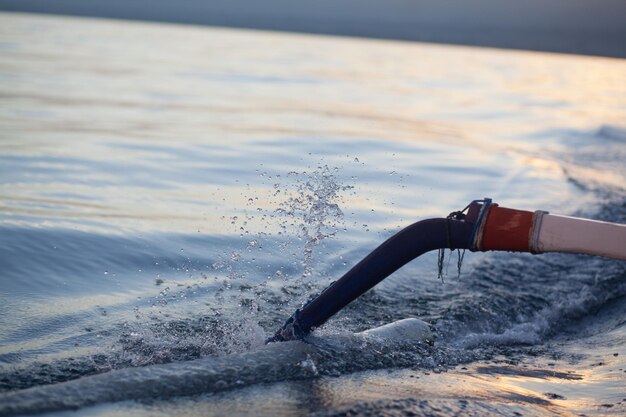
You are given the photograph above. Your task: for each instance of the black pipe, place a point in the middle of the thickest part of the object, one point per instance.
(395, 252)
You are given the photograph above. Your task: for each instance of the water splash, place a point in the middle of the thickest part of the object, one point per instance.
(187, 339)
(305, 208)
(313, 207)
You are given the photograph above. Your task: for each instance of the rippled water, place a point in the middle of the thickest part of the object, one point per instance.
(172, 193)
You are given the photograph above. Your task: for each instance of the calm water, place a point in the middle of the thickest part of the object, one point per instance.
(172, 193)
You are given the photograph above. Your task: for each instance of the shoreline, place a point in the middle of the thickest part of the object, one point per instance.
(582, 27)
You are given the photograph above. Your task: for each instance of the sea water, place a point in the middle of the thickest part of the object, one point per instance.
(172, 193)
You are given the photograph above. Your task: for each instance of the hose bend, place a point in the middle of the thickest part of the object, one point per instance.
(395, 252)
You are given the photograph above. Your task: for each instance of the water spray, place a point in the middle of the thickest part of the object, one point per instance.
(481, 226)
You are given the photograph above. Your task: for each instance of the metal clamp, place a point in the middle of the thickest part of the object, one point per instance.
(479, 226)
(533, 242)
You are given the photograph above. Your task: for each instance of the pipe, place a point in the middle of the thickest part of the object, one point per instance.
(540, 232)
(485, 227)
(398, 250)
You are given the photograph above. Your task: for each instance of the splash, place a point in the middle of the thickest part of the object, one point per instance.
(305, 209)
(313, 207)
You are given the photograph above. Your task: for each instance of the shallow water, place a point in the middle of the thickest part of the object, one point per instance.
(171, 193)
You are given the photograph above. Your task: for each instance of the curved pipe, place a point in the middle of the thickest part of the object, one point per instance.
(486, 227)
(406, 245)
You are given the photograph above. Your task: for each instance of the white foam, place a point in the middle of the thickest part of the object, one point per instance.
(405, 330)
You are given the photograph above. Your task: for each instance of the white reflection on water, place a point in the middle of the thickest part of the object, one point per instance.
(112, 126)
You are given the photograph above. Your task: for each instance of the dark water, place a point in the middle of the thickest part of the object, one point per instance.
(171, 194)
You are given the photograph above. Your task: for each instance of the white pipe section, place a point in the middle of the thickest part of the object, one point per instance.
(575, 235)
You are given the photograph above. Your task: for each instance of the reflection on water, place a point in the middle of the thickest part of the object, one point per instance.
(100, 128)
(161, 185)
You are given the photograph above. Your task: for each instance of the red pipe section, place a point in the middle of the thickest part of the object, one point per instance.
(506, 229)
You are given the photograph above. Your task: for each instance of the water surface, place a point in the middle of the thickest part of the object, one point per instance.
(171, 193)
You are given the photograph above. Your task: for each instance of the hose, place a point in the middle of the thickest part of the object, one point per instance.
(485, 227)
(406, 245)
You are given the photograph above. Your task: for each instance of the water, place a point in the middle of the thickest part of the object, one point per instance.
(169, 194)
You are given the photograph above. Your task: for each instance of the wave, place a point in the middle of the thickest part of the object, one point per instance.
(404, 342)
